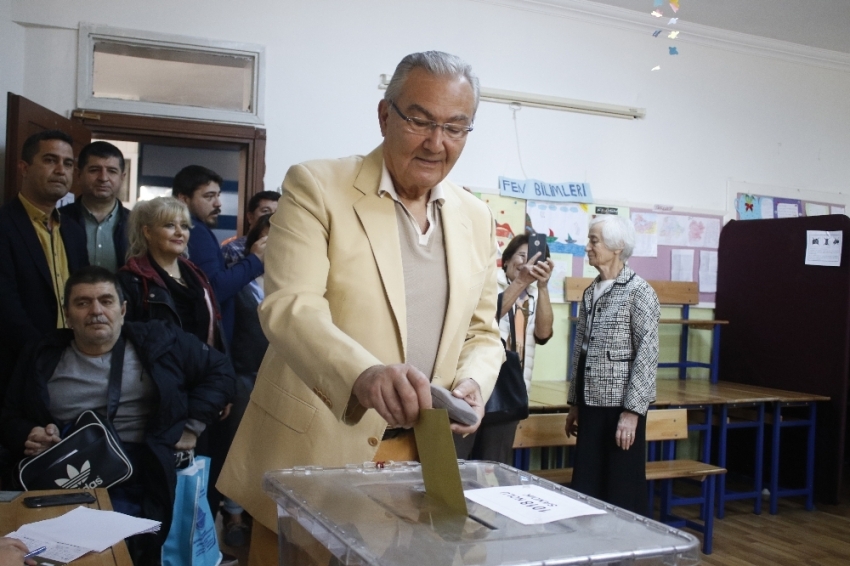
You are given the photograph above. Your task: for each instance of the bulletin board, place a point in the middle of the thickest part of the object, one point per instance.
(671, 246)
(751, 201)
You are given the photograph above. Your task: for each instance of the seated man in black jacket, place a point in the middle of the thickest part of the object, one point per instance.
(172, 386)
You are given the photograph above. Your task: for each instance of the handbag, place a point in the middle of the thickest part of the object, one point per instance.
(191, 540)
(90, 455)
(509, 400)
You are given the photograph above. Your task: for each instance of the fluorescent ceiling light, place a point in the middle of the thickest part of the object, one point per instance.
(551, 102)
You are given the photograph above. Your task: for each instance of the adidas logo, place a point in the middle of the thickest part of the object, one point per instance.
(78, 478)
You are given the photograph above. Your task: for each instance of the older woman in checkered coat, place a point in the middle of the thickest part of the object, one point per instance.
(614, 363)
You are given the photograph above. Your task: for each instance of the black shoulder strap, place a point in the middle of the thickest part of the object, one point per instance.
(116, 372)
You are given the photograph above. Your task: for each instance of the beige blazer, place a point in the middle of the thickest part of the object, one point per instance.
(335, 306)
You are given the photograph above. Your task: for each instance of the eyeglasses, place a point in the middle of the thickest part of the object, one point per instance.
(423, 127)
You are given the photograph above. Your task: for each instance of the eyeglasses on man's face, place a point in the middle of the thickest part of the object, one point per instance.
(422, 127)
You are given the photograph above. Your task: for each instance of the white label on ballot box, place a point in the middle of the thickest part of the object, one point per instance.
(530, 504)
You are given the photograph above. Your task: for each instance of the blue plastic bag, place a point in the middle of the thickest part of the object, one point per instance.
(192, 539)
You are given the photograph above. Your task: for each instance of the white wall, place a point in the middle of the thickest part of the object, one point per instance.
(712, 115)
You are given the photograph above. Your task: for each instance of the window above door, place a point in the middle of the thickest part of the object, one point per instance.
(138, 72)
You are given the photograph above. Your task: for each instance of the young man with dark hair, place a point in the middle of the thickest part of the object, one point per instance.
(262, 203)
(100, 173)
(38, 249)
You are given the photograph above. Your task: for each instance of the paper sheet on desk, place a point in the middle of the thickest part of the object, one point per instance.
(89, 528)
(56, 551)
(530, 504)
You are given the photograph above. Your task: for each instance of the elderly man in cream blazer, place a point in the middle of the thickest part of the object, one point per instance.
(380, 277)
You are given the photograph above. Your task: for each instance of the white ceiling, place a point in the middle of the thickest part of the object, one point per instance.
(824, 24)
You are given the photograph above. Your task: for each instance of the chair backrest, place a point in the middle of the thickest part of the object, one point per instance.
(547, 429)
(669, 292)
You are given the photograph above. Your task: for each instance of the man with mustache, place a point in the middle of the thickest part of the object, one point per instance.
(100, 175)
(200, 189)
(172, 386)
(39, 249)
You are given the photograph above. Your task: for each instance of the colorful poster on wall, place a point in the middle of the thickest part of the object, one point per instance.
(749, 207)
(565, 225)
(672, 230)
(703, 232)
(509, 214)
(646, 228)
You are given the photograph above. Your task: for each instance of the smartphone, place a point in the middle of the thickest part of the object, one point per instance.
(81, 497)
(458, 409)
(537, 243)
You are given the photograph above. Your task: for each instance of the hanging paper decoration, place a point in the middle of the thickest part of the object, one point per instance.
(673, 21)
(656, 13)
(675, 5)
(673, 34)
(673, 51)
(656, 68)
(656, 32)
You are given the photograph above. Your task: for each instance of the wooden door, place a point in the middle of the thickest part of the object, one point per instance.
(25, 118)
(250, 141)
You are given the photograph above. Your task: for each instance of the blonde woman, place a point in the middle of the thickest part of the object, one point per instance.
(159, 282)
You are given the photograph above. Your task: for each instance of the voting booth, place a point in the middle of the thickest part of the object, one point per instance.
(380, 515)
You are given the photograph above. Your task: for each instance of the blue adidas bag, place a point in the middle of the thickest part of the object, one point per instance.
(192, 539)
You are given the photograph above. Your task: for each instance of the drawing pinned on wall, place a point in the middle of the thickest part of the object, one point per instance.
(681, 265)
(646, 229)
(787, 208)
(565, 225)
(813, 209)
(703, 232)
(509, 214)
(748, 207)
(707, 271)
(673, 230)
(837, 210)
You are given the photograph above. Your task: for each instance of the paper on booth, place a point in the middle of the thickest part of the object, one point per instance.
(530, 504)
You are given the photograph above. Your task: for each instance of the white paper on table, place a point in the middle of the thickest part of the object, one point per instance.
(703, 232)
(646, 231)
(766, 205)
(813, 209)
(530, 504)
(836, 210)
(681, 265)
(89, 528)
(824, 248)
(707, 271)
(55, 550)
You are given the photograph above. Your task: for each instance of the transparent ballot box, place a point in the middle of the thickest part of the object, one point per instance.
(365, 514)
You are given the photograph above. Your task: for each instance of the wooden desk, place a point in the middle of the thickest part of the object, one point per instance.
(14, 514)
(764, 404)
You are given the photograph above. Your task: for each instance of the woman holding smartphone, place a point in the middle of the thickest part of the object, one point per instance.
(524, 292)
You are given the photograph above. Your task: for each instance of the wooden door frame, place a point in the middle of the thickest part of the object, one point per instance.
(24, 118)
(154, 129)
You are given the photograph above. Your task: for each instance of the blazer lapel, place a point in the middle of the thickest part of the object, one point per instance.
(30, 239)
(456, 238)
(378, 218)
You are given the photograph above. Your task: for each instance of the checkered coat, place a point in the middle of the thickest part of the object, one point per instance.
(622, 355)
